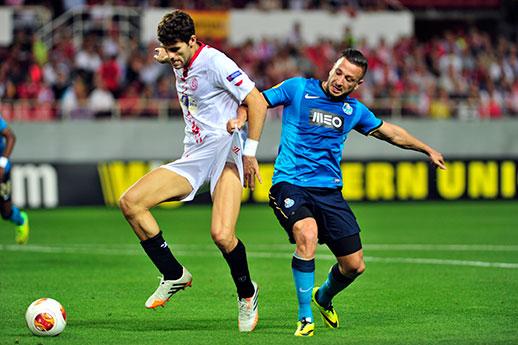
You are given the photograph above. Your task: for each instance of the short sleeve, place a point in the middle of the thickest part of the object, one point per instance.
(283, 93)
(3, 123)
(367, 122)
(230, 77)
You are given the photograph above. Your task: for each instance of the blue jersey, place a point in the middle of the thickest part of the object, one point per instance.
(3, 125)
(314, 129)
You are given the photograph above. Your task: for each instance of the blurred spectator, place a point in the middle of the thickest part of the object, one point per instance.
(88, 59)
(348, 39)
(74, 104)
(440, 106)
(70, 4)
(129, 102)
(150, 70)
(148, 107)
(164, 89)
(491, 102)
(468, 108)
(101, 100)
(110, 74)
(295, 35)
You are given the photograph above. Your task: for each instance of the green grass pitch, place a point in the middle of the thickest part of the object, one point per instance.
(437, 273)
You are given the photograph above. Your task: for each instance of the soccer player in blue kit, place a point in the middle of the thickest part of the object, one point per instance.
(306, 193)
(7, 209)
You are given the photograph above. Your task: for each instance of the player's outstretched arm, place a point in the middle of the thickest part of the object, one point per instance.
(398, 136)
(257, 106)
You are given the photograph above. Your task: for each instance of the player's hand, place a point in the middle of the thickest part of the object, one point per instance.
(234, 124)
(437, 159)
(2, 172)
(239, 121)
(161, 55)
(251, 171)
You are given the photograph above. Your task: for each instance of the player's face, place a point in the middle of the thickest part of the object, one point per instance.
(344, 78)
(180, 53)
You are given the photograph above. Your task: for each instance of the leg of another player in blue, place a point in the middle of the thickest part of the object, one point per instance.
(16, 216)
(334, 283)
(304, 278)
(21, 220)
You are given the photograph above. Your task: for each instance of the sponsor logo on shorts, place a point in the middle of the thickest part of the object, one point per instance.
(326, 119)
(288, 202)
(235, 149)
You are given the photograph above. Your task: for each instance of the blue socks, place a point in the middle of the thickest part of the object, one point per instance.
(334, 283)
(304, 278)
(16, 217)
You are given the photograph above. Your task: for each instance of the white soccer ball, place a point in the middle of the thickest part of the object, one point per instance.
(46, 317)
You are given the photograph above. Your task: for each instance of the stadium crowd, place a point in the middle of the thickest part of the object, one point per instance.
(59, 6)
(467, 74)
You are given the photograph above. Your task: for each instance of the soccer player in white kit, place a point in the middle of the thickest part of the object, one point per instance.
(210, 88)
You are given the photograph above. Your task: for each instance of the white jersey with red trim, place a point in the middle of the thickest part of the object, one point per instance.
(210, 90)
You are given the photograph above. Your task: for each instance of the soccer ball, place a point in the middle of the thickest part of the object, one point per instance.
(46, 317)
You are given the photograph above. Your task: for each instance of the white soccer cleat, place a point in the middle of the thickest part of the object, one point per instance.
(167, 288)
(248, 313)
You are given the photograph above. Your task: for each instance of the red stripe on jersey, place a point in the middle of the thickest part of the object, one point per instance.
(196, 53)
(239, 82)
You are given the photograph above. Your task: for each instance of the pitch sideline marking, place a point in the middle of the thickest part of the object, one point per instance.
(134, 251)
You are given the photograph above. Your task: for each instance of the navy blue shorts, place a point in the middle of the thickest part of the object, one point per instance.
(337, 226)
(5, 187)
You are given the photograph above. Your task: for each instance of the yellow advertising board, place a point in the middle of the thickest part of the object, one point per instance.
(211, 24)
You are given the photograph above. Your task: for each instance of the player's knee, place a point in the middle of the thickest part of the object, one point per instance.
(306, 231)
(353, 269)
(306, 237)
(128, 205)
(223, 238)
(360, 268)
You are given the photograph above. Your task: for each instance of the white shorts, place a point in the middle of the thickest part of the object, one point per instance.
(204, 163)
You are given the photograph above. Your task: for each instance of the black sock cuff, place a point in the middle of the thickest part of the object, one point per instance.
(153, 242)
(303, 265)
(338, 276)
(237, 251)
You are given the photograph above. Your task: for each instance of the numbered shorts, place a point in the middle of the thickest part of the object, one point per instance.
(337, 225)
(203, 163)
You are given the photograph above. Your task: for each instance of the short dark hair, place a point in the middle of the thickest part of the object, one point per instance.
(356, 58)
(175, 26)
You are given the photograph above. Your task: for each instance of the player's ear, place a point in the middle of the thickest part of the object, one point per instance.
(192, 41)
(358, 84)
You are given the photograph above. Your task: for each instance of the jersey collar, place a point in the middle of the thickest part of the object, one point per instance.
(196, 53)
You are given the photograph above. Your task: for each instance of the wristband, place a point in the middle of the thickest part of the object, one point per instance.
(3, 162)
(250, 147)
